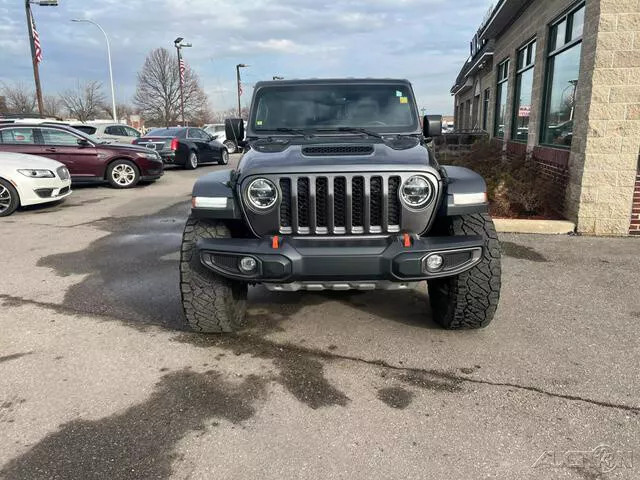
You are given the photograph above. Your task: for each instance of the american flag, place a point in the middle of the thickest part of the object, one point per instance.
(36, 40)
(182, 69)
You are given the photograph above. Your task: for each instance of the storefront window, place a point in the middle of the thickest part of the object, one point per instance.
(485, 109)
(524, 87)
(501, 99)
(563, 69)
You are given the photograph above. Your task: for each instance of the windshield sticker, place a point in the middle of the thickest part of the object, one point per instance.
(398, 93)
(258, 122)
(404, 100)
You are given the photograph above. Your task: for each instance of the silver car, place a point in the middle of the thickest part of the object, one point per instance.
(109, 132)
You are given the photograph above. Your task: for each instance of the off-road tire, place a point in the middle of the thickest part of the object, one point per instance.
(189, 163)
(211, 303)
(469, 300)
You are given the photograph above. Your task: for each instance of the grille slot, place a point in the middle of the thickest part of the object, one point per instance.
(393, 210)
(321, 150)
(357, 202)
(303, 202)
(322, 192)
(285, 205)
(376, 201)
(339, 204)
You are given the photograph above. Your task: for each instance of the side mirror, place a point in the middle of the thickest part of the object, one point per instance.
(234, 130)
(432, 125)
(83, 142)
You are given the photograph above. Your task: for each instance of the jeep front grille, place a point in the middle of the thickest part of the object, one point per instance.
(327, 204)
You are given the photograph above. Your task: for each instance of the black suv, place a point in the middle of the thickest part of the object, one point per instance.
(339, 189)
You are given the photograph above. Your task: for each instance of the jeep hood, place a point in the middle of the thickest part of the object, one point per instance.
(293, 160)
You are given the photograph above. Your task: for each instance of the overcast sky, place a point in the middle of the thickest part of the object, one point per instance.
(425, 41)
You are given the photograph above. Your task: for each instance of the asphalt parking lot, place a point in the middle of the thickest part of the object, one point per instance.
(99, 380)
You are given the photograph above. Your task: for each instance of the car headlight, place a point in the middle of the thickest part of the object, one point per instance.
(416, 192)
(34, 173)
(152, 156)
(262, 194)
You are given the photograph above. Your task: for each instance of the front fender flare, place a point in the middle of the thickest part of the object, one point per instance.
(208, 194)
(465, 192)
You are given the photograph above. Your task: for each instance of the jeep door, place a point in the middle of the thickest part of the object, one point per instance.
(81, 159)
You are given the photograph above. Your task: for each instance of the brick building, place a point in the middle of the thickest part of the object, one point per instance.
(559, 81)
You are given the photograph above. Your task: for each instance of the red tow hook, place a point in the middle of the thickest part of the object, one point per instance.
(275, 242)
(406, 240)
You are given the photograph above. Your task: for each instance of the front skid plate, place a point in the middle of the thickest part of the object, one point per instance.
(317, 286)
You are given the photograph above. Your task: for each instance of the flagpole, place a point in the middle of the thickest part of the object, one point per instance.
(36, 72)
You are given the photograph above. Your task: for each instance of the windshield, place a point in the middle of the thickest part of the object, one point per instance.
(381, 108)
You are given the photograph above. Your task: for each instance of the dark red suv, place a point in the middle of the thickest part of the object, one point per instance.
(88, 159)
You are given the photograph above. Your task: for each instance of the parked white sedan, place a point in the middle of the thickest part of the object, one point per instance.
(30, 180)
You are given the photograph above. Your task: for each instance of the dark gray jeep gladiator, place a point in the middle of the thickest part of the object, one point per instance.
(338, 189)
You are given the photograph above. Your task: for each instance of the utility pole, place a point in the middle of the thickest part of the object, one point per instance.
(181, 69)
(34, 59)
(238, 67)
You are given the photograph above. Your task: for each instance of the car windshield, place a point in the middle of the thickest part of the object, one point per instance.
(163, 132)
(381, 108)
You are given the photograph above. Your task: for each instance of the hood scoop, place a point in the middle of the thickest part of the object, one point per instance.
(325, 150)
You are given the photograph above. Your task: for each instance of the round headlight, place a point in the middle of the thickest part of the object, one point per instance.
(416, 191)
(262, 194)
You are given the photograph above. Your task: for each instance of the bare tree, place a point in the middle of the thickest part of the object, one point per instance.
(85, 101)
(158, 91)
(220, 116)
(19, 98)
(52, 106)
(122, 110)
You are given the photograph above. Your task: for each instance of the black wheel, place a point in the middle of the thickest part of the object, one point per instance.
(230, 146)
(192, 161)
(469, 300)
(211, 303)
(9, 199)
(224, 157)
(123, 174)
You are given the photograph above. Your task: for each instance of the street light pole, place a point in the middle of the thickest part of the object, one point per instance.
(113, 91)
(34, 60)
(179, 45)
(238, 67)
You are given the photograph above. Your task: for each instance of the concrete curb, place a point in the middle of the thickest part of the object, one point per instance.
(549, 227)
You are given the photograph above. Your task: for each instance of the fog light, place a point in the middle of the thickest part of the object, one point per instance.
(248, 264)
(434, 262)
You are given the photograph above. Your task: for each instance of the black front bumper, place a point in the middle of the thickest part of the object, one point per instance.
(306, 259)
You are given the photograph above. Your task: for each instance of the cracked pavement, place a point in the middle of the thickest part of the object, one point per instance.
(99, 379)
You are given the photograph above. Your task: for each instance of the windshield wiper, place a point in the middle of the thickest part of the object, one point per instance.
(294, 131)
(354, 130)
